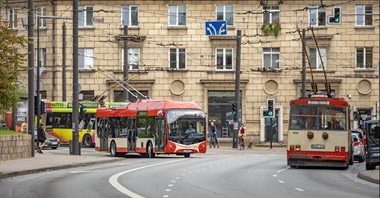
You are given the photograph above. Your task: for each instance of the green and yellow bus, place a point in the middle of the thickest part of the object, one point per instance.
(58, 119)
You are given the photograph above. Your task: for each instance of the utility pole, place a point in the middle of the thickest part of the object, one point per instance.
(303, 95)
(75, 144)
(126, 64)
(31, 73)
(237, 89)
(38, 98)
(64, 62)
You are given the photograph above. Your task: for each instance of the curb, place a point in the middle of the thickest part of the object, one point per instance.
(52, 168)
(367, 178)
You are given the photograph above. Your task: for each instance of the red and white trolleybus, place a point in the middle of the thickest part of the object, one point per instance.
(151, 127)
(319, 132)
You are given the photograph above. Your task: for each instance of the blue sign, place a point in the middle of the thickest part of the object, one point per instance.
(216, 28)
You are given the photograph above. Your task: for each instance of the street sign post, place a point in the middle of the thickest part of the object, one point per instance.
(216, 28)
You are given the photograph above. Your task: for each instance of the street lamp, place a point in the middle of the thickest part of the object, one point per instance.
(38, 98)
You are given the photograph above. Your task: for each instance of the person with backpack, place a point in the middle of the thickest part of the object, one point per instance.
(41, 138)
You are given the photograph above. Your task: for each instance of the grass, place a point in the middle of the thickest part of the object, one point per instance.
(9, 132)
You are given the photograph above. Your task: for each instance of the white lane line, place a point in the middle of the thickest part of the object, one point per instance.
(81, 171)
(299, 189)
(168, 190)
(172, 181)
(165, 196)
(279, 171)
(170, 185)
(280, 181)
(274, 175)
(113, 180)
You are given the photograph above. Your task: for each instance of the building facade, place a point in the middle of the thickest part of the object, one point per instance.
(181, 50)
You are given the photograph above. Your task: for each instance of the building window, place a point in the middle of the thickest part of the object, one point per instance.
(119, 97)
(315, 59)
(130, 15)
(225, 13)
(41, 11)
(364, 57)
(177, 15)
(86, 58)
(363, 15)
(317, 16)
(42, 58)
(85, 16)
(224, 59)
(12, 18)
(87, 94)
(133, 58)
(271, 57)
(177, 58)
(271, 14)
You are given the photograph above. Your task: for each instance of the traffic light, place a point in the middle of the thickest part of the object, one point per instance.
(336, 18)
(269, 112)
(35, 105)
(234, 111)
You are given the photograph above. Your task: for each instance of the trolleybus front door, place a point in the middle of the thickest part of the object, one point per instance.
(160, 136)
(103, 134)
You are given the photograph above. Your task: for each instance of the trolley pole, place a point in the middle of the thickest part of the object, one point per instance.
(126, 64)
(303, 95)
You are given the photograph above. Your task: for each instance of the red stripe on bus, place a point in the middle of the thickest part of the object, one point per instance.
(121, 149)
(318, 155)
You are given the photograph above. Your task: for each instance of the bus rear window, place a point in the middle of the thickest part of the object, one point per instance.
(316, 117)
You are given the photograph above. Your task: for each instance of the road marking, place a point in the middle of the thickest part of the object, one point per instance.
(81, 171)
(279, 171)
(280, 181)
(113, 180)
(172, 181)
(274, 175)
(168, 190)
(177, 177)
(299, 189)
(165, 196)
(170, 185)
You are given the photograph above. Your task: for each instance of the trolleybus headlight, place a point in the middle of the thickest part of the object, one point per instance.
(343, 149)
(325, 135)
(298, 147)
(336, 148)
(292, 147)
(310, 135)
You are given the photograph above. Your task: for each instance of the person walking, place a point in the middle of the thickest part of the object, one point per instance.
(41, 138)
(213, 134)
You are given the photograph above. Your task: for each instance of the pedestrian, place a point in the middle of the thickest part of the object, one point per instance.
(241, 136)
(213, 134)
(41, 138)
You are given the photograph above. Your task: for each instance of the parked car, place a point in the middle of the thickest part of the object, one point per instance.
(50, 142)
(359, 152)
(372, 129)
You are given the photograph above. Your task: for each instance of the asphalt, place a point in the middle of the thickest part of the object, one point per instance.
(61, 159)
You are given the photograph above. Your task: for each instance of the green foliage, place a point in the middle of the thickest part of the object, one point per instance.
(11, 61)
(272, 28)
(10, 132)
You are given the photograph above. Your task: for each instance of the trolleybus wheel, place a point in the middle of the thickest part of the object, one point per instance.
(149, 151)
(113, 149)
(87, 140)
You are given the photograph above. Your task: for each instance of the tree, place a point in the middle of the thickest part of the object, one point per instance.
(11, 61)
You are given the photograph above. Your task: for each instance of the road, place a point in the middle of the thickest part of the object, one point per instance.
(219, 173)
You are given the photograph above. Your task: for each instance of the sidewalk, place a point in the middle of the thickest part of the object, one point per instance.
(50, 161)
(53, 160)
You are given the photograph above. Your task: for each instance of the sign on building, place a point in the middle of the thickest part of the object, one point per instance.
(216, 28)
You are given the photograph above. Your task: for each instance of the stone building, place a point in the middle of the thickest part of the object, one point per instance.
(174, 54)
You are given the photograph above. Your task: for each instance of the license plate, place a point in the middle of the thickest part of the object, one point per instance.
(376, 154)
(318, 146)
(54, 143)
(187, 151)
